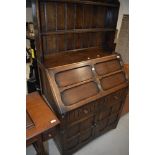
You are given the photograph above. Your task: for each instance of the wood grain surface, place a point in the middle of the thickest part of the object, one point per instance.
(126, 105)
(41, 115)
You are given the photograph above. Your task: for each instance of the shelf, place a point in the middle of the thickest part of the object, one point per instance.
(78, 31)
(84, 2)
(73, 56)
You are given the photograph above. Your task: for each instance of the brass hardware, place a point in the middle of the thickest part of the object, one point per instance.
(53, 121)
(93, 69)
(118, 56)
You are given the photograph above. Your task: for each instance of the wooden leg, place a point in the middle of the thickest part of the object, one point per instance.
(38, 145)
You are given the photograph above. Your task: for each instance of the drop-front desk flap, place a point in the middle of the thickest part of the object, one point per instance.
(75, 84)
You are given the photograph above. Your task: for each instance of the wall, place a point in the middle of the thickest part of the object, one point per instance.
(122, 45)
(28, 19)
(29, 14)
(124, 9)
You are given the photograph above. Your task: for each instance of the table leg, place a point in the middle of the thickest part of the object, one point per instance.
(38, 145)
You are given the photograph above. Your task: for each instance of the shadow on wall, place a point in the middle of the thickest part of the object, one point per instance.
(122, 43)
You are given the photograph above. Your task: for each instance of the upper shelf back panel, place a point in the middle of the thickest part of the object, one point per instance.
(65, 25)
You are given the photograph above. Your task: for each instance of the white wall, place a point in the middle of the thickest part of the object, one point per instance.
(124, 9)
(29, 14)
(28, 19)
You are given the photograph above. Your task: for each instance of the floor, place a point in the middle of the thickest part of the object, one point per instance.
(115, 142)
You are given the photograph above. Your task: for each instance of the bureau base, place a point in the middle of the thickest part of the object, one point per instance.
(78, 147)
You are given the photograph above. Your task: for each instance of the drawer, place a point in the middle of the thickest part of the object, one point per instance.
(72, 116)
(114, 98)
(80, 113)
(86, 110)
(49, 134)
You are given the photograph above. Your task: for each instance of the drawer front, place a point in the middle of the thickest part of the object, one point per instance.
(72, 116)
(86, 110)
(115, 98)
(49, 134)
(112, 81)
(107, 67)
(106, 102)
(79, 93)
(80, 113)
(73, 76)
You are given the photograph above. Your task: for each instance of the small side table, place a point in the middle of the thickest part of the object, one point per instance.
(41, 122)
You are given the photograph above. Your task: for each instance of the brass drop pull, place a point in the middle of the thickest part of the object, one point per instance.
(85, 111)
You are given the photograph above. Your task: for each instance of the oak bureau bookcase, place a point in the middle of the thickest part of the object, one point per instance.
(81, 76)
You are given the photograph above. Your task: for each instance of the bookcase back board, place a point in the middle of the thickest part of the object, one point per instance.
(71, 25)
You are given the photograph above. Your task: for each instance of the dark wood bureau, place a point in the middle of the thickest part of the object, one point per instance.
(81, 77)
(88, 97)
